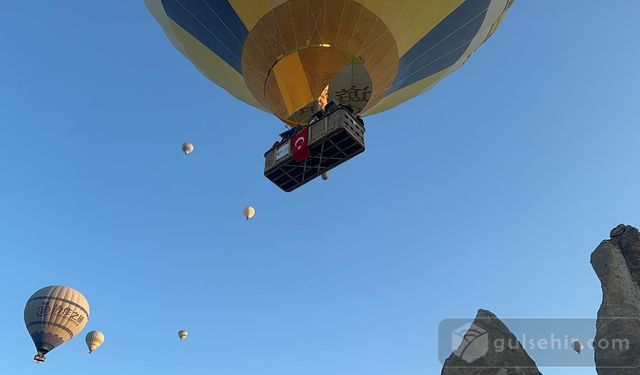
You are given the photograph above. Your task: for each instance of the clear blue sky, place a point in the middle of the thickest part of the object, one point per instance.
(489, 191)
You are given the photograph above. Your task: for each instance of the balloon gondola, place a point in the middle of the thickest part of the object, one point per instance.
(324, 144)
(296, 58)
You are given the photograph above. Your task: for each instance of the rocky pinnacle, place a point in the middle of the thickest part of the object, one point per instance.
(617, 263)
(477, 356)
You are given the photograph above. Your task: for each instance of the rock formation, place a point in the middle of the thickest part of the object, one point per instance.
(617, 264)
(479, 355)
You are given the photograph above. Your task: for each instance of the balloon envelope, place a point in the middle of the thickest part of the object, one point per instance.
(94, 340)
(248, 212)
(182, 334)
(281, 55)
(53, 316)
(187, 148)
(578, 346)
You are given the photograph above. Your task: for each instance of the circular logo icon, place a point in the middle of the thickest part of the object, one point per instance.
(43, 309)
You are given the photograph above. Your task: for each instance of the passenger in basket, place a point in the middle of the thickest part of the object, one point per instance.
(317, 116)
(288, 134)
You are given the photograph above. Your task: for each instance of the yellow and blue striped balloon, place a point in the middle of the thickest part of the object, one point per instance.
(282, 55)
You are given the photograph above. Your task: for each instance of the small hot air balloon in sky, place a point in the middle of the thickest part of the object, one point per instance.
(248, 212)
(53, 316)
(577, 346)
(94, 340)
(182, 334)
(187, 148)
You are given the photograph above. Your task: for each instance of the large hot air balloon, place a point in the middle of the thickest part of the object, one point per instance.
(289, 57)
(94, 340)
(53, 316)
(280, 55)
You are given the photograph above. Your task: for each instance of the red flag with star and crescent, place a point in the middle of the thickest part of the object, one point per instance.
(300, 145)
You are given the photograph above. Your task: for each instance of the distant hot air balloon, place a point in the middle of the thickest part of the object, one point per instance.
(248, 212)
(187, 148)
(288, 57)
(182, 334)
(53, 316)
(94, 340)
(577, 346)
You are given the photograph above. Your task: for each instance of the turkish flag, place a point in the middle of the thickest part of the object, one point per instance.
(300, 145)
